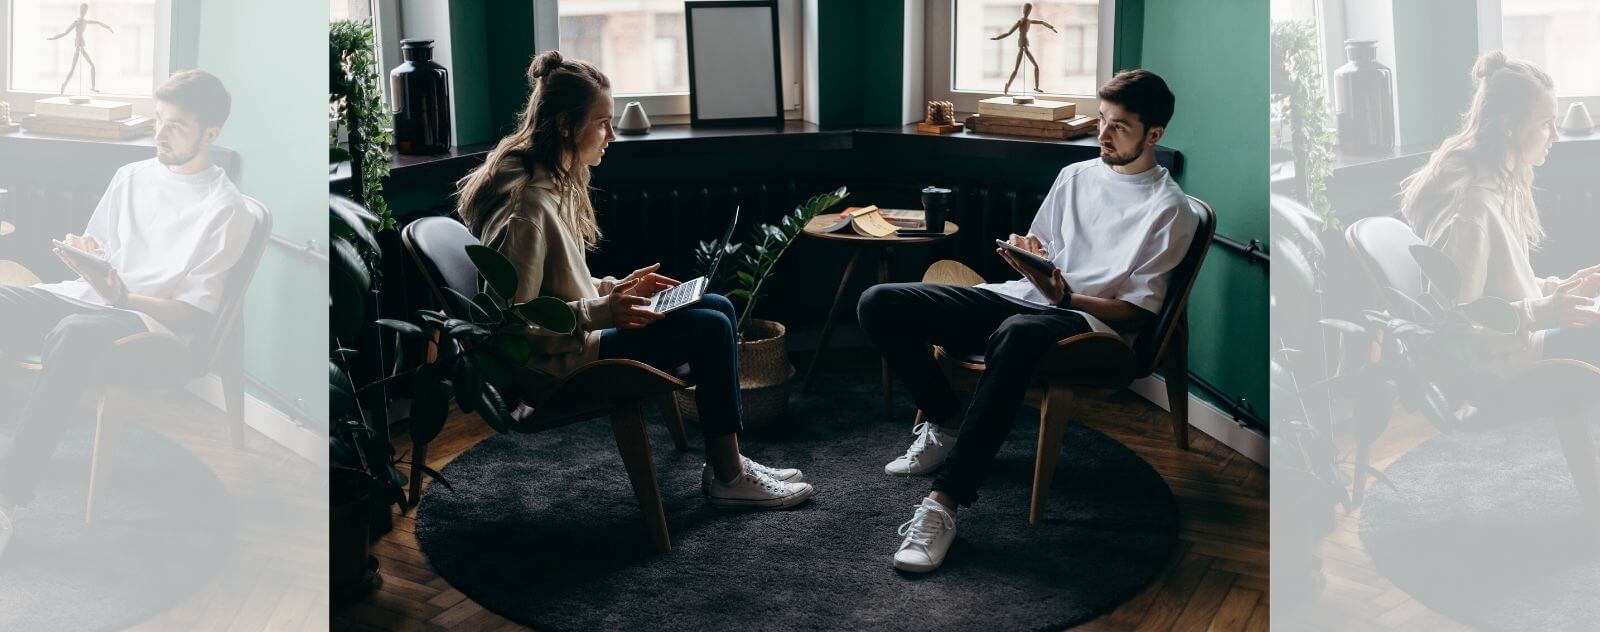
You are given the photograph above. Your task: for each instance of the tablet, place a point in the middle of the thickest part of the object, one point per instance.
(1027, 258)
(84, 261)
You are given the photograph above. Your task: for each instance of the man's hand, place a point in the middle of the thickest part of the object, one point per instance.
(628, 310)
(649, 283)
(86, 244)
(109, 285)
(1053, 286)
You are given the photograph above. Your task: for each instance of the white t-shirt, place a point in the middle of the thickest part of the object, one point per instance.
(169, 235)
(1114, 236)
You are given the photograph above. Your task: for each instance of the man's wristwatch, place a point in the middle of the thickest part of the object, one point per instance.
(1066, 301)
(122, 301)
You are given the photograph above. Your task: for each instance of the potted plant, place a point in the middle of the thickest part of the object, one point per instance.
(356, 105)
(1300, 114)
(764, 368)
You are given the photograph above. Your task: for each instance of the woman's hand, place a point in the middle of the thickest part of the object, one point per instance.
(649, 283)
(629, 310)
(1586, 282)
(1571, 306)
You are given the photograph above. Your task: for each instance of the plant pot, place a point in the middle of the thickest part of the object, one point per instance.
(352, 569)
(764, 377)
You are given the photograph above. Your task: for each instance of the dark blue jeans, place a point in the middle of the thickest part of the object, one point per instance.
(901, 319)
(701, 335)
(70, 340)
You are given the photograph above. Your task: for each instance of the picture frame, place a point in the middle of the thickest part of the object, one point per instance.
(735, 65)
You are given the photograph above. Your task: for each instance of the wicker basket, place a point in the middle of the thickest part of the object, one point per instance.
(764, 376)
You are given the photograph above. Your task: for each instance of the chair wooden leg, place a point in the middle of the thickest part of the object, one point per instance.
(107, 434)
(1577, 442)
(1176, 372)
(634, 445)
(1054, 416)
(917, 420)
(419, 457)
(669, 414)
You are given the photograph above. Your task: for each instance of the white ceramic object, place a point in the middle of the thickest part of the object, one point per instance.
(1577, 120)
(633, 120)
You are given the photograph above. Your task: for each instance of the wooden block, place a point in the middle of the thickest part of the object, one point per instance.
(94, 110)
(1058, 130)
(931, 128)
(83, 128)
(1039, 110)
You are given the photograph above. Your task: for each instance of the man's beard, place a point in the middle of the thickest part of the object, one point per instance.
(1110, 156)
(176, 158)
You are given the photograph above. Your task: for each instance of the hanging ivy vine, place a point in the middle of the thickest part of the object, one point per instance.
(356, 102)
(1299, 103)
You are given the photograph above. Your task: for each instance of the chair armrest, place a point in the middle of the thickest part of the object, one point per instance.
(13, 273)
(951, 272)
(598, 386)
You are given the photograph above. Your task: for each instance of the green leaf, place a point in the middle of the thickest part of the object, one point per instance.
(1440, 271)
(341, 392)
(402, 327)
(352, 221)
(429, 406)
(486, 307)
(493, 369)
(514, 347)
(457, 328)
(347, 313)
(550, 313)
(740, 293)
(746, 278)
(337, 155)
(432, 316)
(496, 270)
(492, 408)
(468, 381)
(1405, 306)
(1343, 326)
(458, 303)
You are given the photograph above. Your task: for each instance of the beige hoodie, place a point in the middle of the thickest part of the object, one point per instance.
(525, 227)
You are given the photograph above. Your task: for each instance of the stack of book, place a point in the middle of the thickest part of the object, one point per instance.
(101, 120)
(1038, 119)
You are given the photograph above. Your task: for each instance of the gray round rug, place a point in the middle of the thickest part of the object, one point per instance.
(165, 526)
(1485, 528)
(544, 529)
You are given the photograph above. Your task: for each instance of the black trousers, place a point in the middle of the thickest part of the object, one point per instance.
(70, 339)
(902, 319)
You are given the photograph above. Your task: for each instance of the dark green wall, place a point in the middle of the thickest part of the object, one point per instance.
(1214, 57)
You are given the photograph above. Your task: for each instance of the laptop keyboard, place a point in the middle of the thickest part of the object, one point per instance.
(679, 295)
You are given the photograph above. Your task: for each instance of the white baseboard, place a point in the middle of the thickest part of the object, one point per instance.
(268, 421)
(1207, 418)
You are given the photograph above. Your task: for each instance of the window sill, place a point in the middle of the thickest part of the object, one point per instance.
(670, 141)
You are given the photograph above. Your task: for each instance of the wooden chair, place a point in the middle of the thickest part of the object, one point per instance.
(145, 361)
(1546, 388)
(606, 388)
(1094, 363)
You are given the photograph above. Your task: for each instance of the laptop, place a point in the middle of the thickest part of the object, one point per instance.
(689, 292)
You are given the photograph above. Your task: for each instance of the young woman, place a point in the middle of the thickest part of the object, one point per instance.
(530, 201)
(1474, 201)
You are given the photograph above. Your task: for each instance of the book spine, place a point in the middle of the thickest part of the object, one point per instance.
(99, 133)
(1030, 113)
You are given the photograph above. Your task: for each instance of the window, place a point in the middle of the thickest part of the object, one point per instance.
(642, 46)
(1556, 35)
(385, 30)
(126, 62)
(965, 63)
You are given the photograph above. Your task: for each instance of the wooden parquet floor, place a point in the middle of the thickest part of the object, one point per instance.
(1216, 579)
(277, 577)
(1357, 596)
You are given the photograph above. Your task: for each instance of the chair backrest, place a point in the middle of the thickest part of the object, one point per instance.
(209, 343)
(1147, 349)
(438, 245)
(1382, 246)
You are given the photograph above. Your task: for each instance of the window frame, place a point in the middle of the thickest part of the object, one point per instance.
(1491, 23)
(22, 101)
(673, 108)
(939, 73)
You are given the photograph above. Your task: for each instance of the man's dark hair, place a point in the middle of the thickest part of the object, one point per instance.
(1141, 92)
(199, 93)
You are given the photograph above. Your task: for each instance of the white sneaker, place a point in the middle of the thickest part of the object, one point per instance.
(782, 475)
(928, 534)
(7, 526)
(754, 490)
(926, 454)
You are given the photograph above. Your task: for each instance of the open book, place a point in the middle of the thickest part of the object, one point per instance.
(871, 221)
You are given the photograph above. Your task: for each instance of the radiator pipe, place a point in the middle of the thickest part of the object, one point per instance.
(1252, 251)
(1237, 407)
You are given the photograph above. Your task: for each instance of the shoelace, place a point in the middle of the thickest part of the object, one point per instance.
(769, 472)
(926, 434)
(919, 530)
(768, 482)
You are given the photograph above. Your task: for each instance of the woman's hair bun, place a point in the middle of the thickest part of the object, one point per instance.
(545, 63)
(1487, 64)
